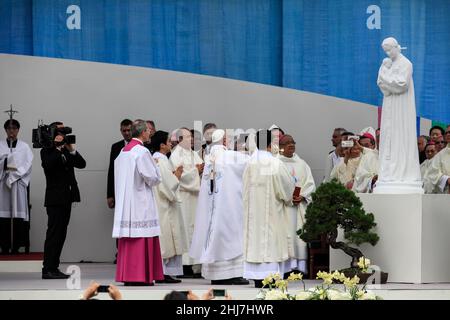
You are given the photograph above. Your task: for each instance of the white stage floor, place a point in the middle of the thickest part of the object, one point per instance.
(30, 286)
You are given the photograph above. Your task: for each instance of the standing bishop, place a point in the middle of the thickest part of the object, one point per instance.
(217, 241)
(136, 222)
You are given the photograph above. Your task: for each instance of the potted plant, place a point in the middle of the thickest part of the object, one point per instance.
(333, 207)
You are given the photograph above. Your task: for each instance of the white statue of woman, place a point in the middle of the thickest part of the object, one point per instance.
(399, 170)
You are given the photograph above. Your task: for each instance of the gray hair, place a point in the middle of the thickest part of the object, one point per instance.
(340, 130)
(138, 127)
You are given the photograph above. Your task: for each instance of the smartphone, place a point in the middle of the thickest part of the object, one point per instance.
(103, 289)
(297, 192)
(347, 143)
(219, 292)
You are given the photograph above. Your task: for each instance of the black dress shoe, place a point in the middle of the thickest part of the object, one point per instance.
(138, 284)
(240, 281)
(168, 279)
(55, 274)
(222, 281)
(258, 284)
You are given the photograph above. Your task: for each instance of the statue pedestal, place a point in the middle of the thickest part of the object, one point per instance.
(414, 233)
(398, 188)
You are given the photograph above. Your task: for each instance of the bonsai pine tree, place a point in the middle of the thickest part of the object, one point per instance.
(334, 206)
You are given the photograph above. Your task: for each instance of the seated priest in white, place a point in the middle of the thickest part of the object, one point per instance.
(438, 176)
(345, 171)
(217, 241)
(430, 151)
(367, 172)
(268, 188)
(173, 239)
(304, 187)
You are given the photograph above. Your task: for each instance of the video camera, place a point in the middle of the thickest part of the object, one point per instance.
(44, 135)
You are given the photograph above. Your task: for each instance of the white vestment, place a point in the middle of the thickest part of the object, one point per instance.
(345, 172)
(188, 190)
(332, 161)
(173, 236)
(399, 161)
(135, 212)
(366, 171)
(268, 187)
(438, 172)
(301, 172)
(424, 170)
(14, 183)
(217, 241)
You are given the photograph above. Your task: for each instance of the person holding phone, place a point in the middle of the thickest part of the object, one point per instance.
(95, 288)
(345, 171)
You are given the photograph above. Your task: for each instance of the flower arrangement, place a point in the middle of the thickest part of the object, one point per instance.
(364, 264)
(277, 288)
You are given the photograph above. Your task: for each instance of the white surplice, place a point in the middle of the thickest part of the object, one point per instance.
(300, 170)
(268, 187)
(366, 171)
(173, 236)
(345, 172)
(14, 183)
(188, 190)
(217, 240)
(135, 212)
(424, 169)
(332, 161)
(438, 172)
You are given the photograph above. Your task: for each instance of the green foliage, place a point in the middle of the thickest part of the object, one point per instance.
(334, 206)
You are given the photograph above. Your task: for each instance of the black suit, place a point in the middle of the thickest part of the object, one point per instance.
(115, 151)
(61, 190)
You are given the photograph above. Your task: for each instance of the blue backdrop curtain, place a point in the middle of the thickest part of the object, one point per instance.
(321, 46)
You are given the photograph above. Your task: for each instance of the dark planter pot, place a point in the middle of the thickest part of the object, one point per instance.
(363, 277)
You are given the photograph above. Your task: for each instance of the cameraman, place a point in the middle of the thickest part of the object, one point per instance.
(59, 162)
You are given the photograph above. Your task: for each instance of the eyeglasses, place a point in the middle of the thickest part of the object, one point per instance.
(441, 142)
(447, 132)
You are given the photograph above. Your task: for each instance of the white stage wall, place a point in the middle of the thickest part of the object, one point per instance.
(94, 97)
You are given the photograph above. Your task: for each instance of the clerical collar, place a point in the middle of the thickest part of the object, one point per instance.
(138, 140)
(14, 143)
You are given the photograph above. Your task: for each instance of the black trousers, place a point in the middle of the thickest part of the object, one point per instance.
(58, 220)
(21, 234)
